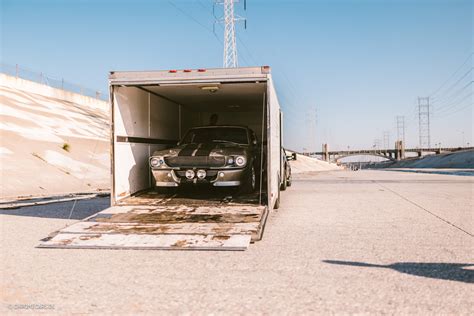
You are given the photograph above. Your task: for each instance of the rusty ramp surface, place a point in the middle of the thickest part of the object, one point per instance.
(161, 223)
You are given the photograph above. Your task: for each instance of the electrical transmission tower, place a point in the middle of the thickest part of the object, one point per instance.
(424, 122)
(386, 139)
(230, 44)
(401, 128)
(376, 144)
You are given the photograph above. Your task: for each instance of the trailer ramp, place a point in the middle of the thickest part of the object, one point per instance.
(164, 223)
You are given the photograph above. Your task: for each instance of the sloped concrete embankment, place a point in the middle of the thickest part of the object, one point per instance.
(308, 164)
(50, 145)
(455, 160)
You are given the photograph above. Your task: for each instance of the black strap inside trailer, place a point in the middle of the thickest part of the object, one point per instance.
(142, 140)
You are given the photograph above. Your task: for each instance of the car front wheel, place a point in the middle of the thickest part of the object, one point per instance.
(251, 181)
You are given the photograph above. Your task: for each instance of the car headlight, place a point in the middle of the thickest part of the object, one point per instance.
(240, 161)
(155, 162)
(230, 160)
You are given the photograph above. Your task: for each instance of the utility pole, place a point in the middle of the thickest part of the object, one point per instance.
(424, 122)
(230, 44)
(401, 128)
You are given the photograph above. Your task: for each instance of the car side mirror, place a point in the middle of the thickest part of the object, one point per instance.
(291, 157)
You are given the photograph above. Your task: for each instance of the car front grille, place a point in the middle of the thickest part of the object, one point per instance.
(195, 161)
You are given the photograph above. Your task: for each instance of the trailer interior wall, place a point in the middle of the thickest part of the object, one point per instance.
(138, 118)
(151, 117)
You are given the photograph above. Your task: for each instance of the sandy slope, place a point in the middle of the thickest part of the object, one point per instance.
(33, 131)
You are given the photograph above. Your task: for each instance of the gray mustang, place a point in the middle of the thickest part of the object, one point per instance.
(223, 156)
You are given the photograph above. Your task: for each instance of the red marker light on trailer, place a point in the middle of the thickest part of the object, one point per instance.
(201, 70)
(172, 71)
(187, 70)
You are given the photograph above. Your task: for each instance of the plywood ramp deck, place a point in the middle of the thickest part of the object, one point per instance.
(157, 224)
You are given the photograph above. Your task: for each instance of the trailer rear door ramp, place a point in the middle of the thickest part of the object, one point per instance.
(229, 227)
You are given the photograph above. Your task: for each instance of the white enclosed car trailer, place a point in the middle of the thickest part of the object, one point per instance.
(152, 110)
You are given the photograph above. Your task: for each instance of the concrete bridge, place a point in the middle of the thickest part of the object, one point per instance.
(398, 153)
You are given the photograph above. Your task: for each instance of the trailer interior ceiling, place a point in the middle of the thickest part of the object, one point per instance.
(152, 117)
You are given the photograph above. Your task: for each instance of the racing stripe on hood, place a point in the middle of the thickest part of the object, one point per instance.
(205, 149)
(188, 150)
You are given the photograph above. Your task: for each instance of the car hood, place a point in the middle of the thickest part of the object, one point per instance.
(204, 149)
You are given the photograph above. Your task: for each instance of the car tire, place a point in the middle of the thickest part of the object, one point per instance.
(284, 185)
(250, 183)
(165, 190)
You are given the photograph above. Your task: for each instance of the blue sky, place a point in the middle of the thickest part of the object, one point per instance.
(358, 63)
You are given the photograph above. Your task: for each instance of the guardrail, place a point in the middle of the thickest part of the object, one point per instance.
(58, 83)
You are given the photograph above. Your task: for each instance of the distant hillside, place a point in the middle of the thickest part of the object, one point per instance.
(51, 146)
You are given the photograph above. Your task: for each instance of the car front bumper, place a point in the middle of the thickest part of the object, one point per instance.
(217, 178)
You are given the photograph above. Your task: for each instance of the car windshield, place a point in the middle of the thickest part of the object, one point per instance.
(216, 134)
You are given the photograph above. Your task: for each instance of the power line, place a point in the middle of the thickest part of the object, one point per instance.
(247, 50)
(455, 104)
(456, 111)
(453, 95)
(454, 74)
(194, 20)
(458, 81)
(201, 4)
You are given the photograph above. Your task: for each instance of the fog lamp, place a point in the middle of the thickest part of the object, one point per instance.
(201, 174)
(189, 174)
(156, 161)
